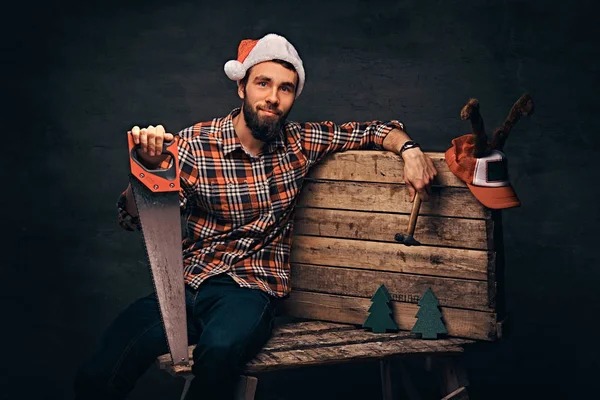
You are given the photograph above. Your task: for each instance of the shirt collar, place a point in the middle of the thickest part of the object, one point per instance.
(230, 141)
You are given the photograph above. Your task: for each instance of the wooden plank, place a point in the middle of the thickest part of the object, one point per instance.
(377, 166)
(268, 361)
(412, 393)
(317, 340)
(458, 394)
(457, 293)
(348, 353)
(246, 388)
(496, 268)
(186, 385)
(387, 197)
(433, 231)
(453, 375)
(308, 327)
(393, 257)
(333, 347)
(502, 325)
(387, 383)
(354, 310)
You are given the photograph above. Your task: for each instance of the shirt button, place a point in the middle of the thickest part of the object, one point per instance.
(230, 184)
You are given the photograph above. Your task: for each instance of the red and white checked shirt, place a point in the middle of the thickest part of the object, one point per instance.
(239, 208)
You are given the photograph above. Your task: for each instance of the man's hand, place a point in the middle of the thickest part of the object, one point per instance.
(151, 139)
(418, 173)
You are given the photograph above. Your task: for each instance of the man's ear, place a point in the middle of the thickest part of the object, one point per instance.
(241, 90)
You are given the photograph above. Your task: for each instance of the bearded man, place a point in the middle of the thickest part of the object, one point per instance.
(240, 176)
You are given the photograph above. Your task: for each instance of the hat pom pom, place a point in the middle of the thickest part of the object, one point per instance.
(235, 70)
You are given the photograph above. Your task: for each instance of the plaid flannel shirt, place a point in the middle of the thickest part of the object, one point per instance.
(239, 208)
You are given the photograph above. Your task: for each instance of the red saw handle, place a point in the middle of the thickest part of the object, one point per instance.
(157, 180)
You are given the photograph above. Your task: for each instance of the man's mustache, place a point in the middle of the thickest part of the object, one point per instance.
(274, 110)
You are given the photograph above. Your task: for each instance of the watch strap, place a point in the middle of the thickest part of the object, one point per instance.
(409, 144)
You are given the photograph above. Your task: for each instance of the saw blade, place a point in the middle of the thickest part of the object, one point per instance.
(159, 215)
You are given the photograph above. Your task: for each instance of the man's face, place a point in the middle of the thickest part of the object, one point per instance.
(268, 99)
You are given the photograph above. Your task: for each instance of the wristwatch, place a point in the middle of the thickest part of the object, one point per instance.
(409, 144)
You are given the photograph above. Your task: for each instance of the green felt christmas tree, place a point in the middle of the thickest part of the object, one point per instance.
(429, 323)
(380, 318)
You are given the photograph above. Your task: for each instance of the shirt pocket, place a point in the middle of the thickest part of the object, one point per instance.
(287, 178)
(231, 200)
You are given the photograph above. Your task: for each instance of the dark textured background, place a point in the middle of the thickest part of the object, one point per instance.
(77, 76)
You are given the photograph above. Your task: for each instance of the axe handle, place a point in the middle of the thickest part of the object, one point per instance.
(414, 213)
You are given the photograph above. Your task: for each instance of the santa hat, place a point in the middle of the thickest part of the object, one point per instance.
(270, 47)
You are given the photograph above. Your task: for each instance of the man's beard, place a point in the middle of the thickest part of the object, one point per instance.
(265, 129)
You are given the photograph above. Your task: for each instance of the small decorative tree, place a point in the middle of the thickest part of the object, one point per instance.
(429, 323)
(380, 318)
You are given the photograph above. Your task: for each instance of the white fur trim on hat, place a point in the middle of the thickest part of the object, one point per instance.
(270, 47)
(235, 70)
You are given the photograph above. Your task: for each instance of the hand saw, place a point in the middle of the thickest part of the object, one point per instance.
(156, 195)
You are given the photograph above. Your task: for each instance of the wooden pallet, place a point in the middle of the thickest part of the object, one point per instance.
(350, 208)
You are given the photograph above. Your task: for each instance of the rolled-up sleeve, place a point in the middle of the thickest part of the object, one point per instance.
(323, 138)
